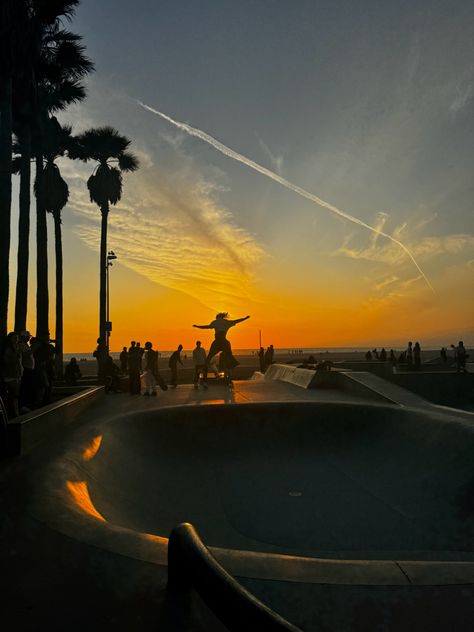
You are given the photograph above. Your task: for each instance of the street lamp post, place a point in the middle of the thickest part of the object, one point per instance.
(110, 257)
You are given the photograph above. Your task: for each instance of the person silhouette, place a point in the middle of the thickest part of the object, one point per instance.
(417, 356)
(221, 326)
(443, 355)
(175, 357)
(72, 372)
(134, 361)
(269, 356)
(199, 361)
(124, 360)
(460, 355)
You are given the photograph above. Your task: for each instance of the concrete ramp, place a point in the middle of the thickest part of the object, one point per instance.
(373, 386)
(360, 384)
(290, 374)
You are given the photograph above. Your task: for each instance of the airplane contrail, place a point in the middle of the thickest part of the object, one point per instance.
(230, 153)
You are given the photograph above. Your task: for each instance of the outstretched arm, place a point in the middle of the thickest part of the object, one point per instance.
(240, 320)
(203, 326)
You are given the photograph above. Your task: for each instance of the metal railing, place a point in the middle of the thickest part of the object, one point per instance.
(191, 565)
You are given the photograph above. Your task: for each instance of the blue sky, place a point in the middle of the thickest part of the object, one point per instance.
(368, 105)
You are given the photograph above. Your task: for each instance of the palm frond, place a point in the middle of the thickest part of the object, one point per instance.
(59, 96)
(56, 138)
(59, 34)
(54, 188)
(51, 11)
(105, 186)
(71, 61)
(128, 162)
(103, 143)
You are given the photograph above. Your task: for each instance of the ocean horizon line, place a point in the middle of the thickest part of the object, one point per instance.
(297, 351)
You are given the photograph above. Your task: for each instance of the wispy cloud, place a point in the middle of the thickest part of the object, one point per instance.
(424, 248)
(463, 96)
(172, 230)
(276, 160)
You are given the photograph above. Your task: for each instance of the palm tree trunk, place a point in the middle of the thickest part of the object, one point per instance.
(58, 244)
(6, 91)
(103, 289)
(21, 302)
(42, 296)
(103, 274)
(5, 195)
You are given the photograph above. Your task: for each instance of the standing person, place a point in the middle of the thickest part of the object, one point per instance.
(443, 355)
(140, 351)
(221, 326)
(199, 361)
(261, 359)
(134, 384)
(44, 371)
(100, 354)
(417, 356)
(175, 357)
(392, 358)
(152, 375)
(11, 371)
(124, 361)
(409, 355)
(269, 356)
(383, 355)
(460, 355)
(26, 397)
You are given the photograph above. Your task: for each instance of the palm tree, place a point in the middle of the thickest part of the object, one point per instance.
(55, 197)
(10, 11)
(56, 86)
(108, 148)
(48, 83)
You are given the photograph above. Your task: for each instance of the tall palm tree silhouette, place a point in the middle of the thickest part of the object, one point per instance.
(109, 149)
(47, 81)
(55, 197)
(11, 17)
(60, 62)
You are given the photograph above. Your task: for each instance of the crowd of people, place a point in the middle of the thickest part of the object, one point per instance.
(265, 358)
(27, 365)
(140, 364)
(411, 356)
(26, 372)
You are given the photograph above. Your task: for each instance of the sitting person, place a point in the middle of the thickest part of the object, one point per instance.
(112, 376)
(72, 372)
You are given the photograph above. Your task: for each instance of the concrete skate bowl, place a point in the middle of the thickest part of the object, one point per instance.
(326, 492)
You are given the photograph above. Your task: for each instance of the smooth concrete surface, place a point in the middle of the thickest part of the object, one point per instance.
(259, 476)
(28, 430)
(315, 479)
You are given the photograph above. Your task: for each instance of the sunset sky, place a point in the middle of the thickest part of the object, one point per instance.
(367, 105)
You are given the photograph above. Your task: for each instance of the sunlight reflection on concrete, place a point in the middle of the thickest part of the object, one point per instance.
(90, 452)
(80, 494)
